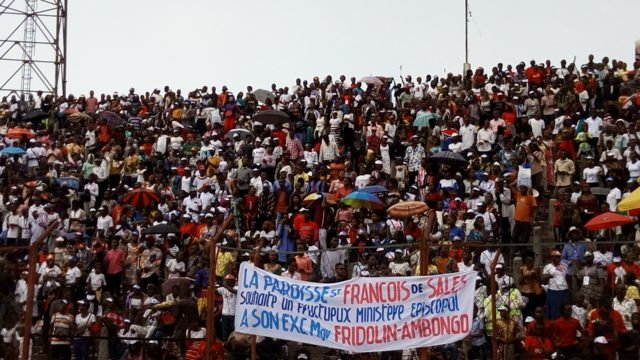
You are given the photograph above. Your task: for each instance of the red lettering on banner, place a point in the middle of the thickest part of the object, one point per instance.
(365, 335)
(435, 326)
(378, 292)
(445, 286)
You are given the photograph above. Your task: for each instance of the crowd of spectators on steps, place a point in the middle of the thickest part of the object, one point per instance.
(543, 146)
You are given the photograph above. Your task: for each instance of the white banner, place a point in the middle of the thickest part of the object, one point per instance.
(358, 315)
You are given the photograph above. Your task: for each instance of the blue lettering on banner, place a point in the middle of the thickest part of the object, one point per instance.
(359, 315)
(435, 307)
(380, 313)
(297, 292)
(326, 313)
(319, 331)
(257, 298)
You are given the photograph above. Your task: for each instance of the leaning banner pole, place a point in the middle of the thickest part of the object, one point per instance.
(31, 281)
(211, 326)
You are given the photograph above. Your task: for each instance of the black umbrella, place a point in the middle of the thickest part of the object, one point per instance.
(271, 117)
(449, 158)
(111, 118)
(162, 229)
(35, 115)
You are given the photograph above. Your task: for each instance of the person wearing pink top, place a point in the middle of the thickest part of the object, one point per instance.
(114, 263)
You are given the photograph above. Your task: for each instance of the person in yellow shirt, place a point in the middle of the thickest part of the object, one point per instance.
(224, 261)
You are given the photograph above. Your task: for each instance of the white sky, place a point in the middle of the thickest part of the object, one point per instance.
(117, 44)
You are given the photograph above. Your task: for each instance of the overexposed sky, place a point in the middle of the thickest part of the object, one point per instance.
(116, 44)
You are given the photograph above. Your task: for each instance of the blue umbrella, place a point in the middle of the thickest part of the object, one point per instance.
(422, 120)
(13, 150)
(70, 181)
(362, 199)
(374, 189)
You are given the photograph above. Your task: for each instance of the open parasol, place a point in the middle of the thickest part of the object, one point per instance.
(79, 116)
(13, 150)
(162, 229)
(449, 158)
(141, 198)
(374, 189)
(18, 133)
(70, 182)
(111, 118)
(407, 209)
(329, 198)
(608, 220)
(242, 133)
(371, 80)
(271, 117)
(361, 199)
(34, 115)
(262, 95)
(630, 204)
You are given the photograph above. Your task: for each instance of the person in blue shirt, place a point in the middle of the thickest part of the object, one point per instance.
(477, 335)
(573, 251)
(454, 231)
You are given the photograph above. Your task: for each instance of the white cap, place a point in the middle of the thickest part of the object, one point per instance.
(600, 340)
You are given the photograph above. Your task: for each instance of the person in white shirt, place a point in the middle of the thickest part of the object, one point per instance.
(614, 195)
(229, 296)
(455, 145)
(555, 275)
(328, 149)
(591, 173)
(537, 126)
(595, 125)
(94, 191)
(258, 152)
(192, 205)
(633, 165)
(418, 89)
(485, 138)
(468, 133)
(73, 273)
(176, 266)
(558, 122)
(256, 182)
(161, 145)
(625, 306)
(487, 257)
(104, 221)
(96, 279)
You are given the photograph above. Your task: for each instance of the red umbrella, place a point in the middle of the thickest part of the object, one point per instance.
(17, 133)
(141, 197)
(608, 220)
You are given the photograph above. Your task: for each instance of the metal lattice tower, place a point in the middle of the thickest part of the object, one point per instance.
(40, 55)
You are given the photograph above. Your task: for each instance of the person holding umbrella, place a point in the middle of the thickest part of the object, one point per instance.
(413, 156)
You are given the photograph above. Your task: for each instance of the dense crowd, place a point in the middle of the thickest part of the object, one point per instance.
(123, 276)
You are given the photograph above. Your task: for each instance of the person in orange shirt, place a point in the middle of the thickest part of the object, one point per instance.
(303, 262)
(525, 213)
(307, 229)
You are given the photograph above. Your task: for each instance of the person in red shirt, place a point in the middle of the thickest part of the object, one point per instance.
(537, 345)
(630, 266)
(564, 332)
(114, 263)
(187, 228)
(250, 207)
(307, 229)
(538, 318)
(605, 322)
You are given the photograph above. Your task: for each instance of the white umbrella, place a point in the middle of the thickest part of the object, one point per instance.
(371, 80)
